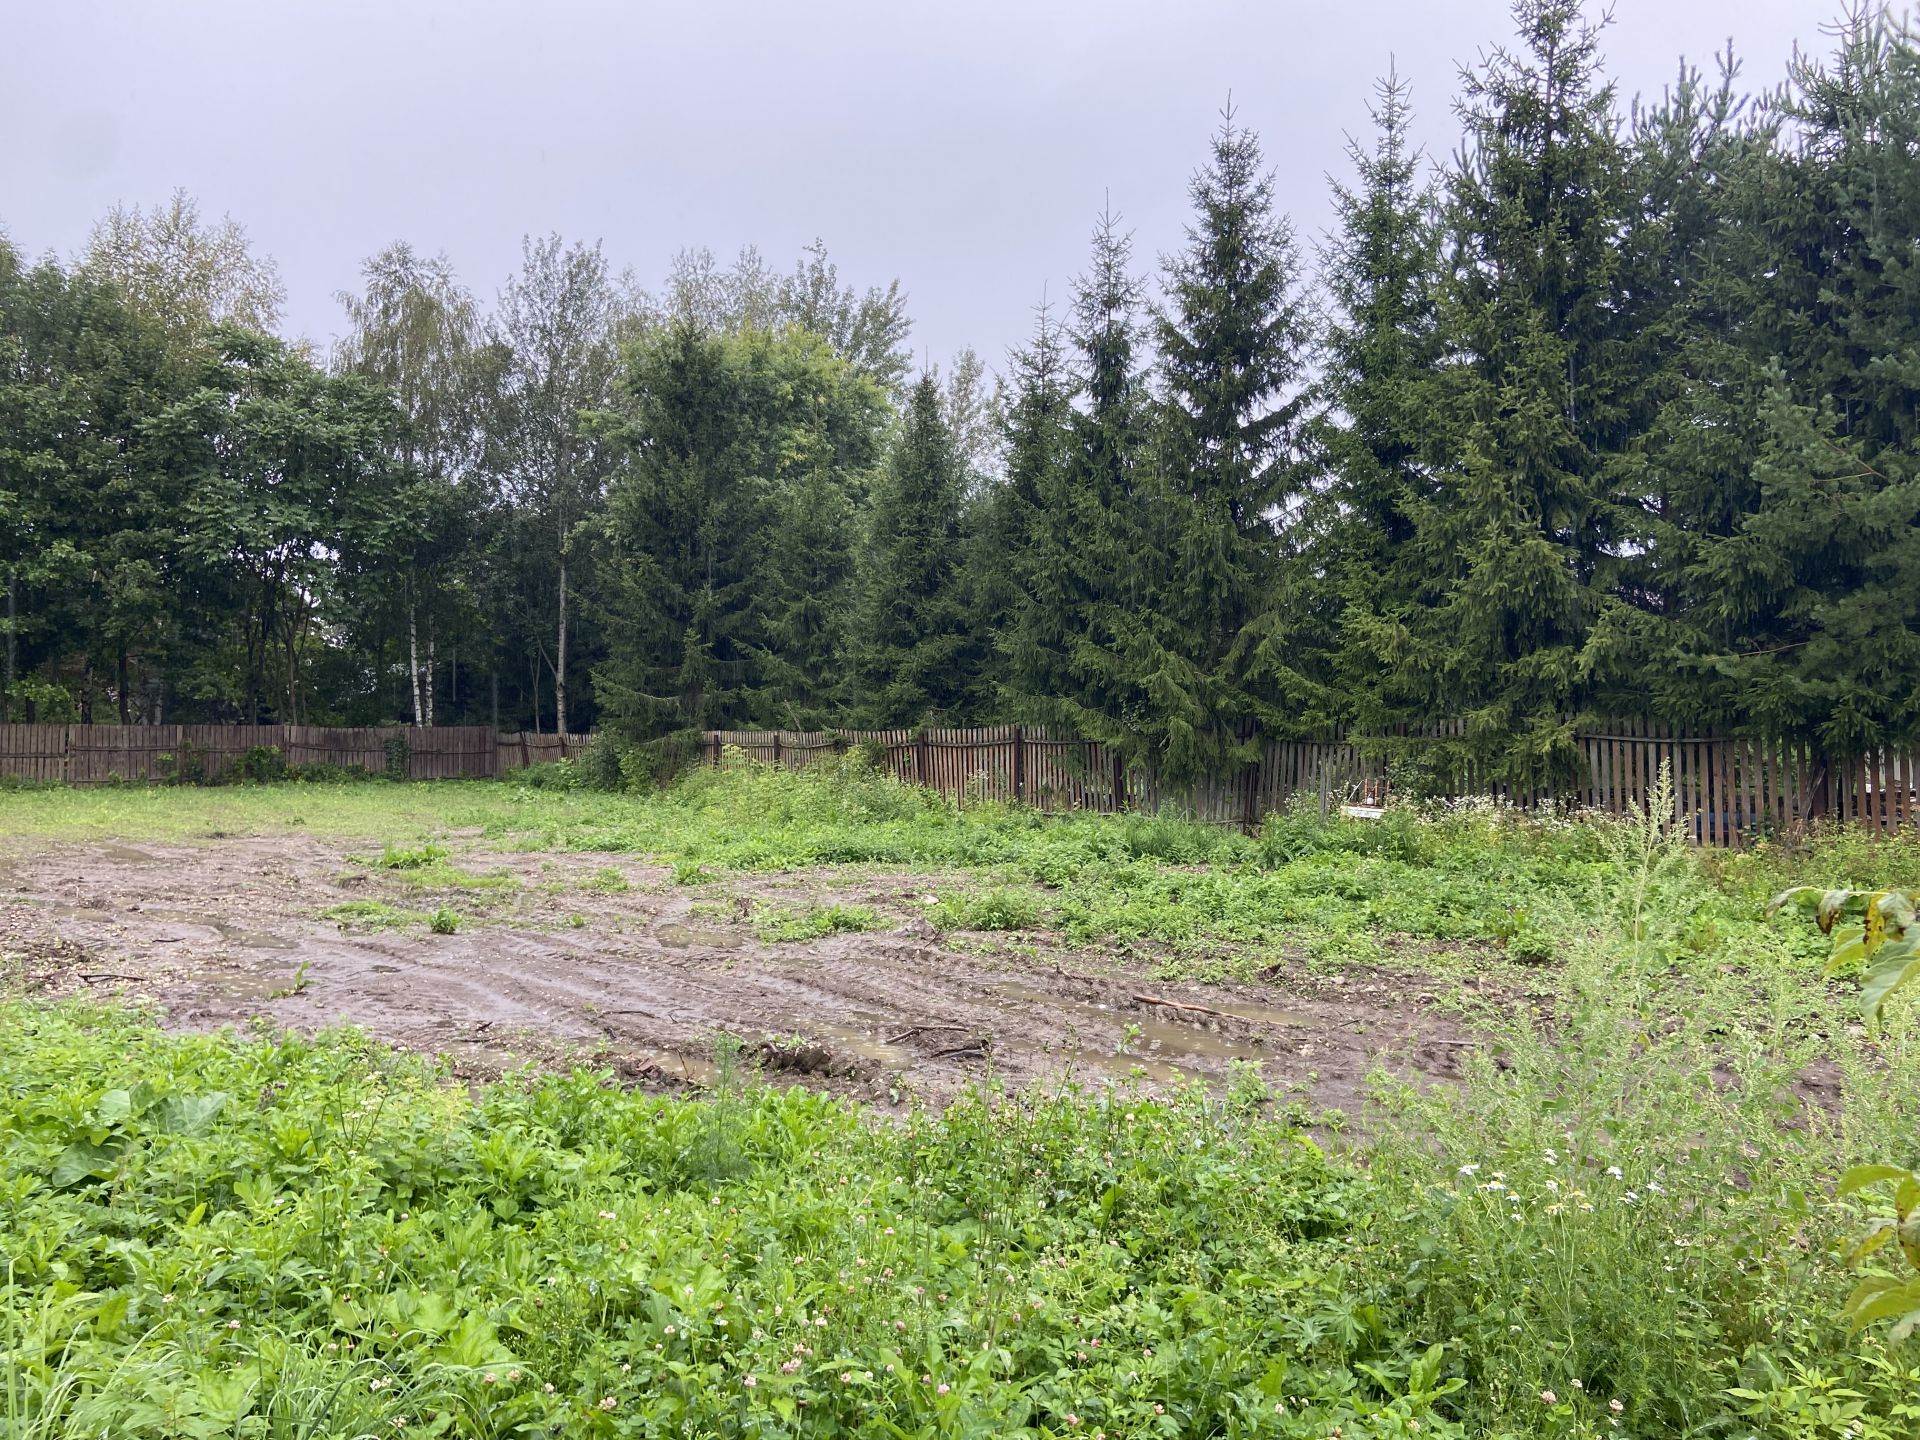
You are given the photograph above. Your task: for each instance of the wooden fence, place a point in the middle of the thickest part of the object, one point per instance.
(104, 754)
(1055, 772)
(1726, 791)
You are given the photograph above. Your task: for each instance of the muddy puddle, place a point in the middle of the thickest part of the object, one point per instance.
(648, 982)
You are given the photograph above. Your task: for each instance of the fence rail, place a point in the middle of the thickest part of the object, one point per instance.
(1726, 790)
(105, 754)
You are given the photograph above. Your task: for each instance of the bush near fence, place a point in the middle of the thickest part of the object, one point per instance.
(1727, 790)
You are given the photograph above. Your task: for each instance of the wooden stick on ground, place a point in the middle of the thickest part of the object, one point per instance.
(1182, 1005)
(916, 1029)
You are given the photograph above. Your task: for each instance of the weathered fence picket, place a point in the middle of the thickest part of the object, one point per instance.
(107, 754)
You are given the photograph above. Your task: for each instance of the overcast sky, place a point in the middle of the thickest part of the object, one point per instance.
(965, 148)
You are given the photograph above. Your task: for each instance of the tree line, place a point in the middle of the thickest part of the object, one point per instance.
(1612, 411)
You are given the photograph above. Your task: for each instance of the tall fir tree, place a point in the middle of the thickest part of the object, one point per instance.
(1810, 604)
(1017, 553)
(1085, 576)
(729, 529)
(1215, 647)
(1679, 468)
(1380, 359)
(921, 656)
(1521, 532)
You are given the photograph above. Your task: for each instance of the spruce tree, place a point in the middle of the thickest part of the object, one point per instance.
(1084, 580)
(1022, 547)
(1810, 605)
(921, 655)
(1679, 468)
(1381, 353)
(1522, 522)
(1215, 650)
(729, 530)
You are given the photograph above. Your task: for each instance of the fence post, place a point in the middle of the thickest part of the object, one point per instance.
(1119, 783)
(1019, 763)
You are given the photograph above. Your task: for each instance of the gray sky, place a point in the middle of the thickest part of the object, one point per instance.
(965, 148)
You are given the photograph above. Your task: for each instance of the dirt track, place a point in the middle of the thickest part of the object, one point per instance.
(218, 931)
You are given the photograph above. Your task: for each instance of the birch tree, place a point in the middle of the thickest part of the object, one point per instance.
(558, 324)
(415, 330)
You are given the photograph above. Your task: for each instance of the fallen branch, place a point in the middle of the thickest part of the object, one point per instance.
(1182, 1005)
(916, 1029)
(96, 975)
(648, 1013)
(979, 1050)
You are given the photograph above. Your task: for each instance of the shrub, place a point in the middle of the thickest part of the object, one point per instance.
(260, 765)
(326, 772)
(443, 921)
(987, 910)
(550, 775)
(399, 755)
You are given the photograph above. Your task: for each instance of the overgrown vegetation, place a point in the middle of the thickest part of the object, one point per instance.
(776, 923)
(1627, 1211)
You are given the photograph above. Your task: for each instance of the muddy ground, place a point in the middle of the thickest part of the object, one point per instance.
(555, 961)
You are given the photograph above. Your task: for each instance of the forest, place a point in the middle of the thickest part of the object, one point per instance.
(1611, 411)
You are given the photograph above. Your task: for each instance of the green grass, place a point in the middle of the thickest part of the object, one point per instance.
(1627, 1198)
(370, 915)
(780, 923)
(607, 881)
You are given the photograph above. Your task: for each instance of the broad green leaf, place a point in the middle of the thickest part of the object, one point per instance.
(1798, 895)
(114, 1107)
(83, 1161)
(1879, 1235)
(1849, 949)
(1897, 967)
(191, 1114)
(1861, 1176)
(1882, 1299)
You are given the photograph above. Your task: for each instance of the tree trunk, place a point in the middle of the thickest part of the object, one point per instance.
(413, 655)
(6, 694)
(560, 658)
(533, 673)
(120, 679)
(426, 681)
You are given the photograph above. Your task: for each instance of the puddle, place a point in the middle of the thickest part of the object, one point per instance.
(679, 937)
(1081, 1063)
(232, 934)
(66, 911)
(126, 854)
(843, 1041)
(1156, 1036)
(248, 987)
(1259, 1014)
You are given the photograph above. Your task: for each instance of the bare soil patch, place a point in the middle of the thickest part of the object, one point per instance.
(556, 962)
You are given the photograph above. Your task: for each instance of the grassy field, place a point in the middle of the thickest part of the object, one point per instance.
(1621, 1222)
